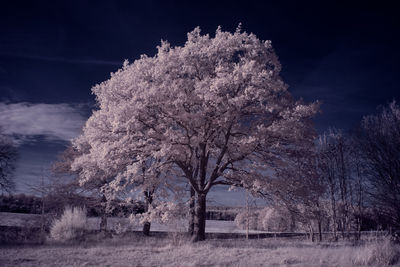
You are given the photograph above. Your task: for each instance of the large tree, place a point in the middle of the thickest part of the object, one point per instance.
(8, 155)
(214, 111)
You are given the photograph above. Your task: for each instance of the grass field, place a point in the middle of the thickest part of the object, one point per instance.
(136, 250)
(171, 248)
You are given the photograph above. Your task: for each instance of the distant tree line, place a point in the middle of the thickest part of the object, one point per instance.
(21, 203)
(8, 156)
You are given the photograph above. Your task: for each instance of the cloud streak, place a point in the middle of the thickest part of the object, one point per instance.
(53, 122)
(66, 60)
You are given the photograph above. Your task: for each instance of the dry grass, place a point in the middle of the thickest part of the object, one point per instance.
(174, 249)
(70, 226)
(136, 250)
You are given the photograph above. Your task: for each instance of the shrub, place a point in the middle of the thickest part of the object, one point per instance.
(252, 217)
(70, 226)
(122, 227)
(275, 220)
(268, 219)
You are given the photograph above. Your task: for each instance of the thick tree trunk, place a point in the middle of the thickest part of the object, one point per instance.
(148, 197)
(319, 230)
(103, 221)
(292, 223)
(334, 219)
(192, 203)
(312, 233)
(199, 233)
(343, 228)
(146, 228)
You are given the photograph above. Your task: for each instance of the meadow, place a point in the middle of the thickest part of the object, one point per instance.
(169, 245)
(136, 250)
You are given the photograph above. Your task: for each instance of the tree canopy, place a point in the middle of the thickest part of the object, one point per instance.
(214, 111)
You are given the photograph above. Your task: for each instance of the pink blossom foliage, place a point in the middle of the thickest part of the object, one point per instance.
(214, 111)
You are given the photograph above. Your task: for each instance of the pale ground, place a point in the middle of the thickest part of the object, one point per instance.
(174, 250)
(152, 251)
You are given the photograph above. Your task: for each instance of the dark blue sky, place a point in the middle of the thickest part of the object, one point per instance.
(53, 52)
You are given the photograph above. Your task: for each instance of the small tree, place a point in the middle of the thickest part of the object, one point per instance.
(214, 111)
(333, 168)
(299, 188)
(379, 141)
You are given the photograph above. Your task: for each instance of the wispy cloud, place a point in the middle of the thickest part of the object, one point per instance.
(54, 122)
(65, 60)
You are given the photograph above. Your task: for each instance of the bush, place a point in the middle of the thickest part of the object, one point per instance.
(268, 219)
(275, 220)
(252, 217)
(70, 226)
